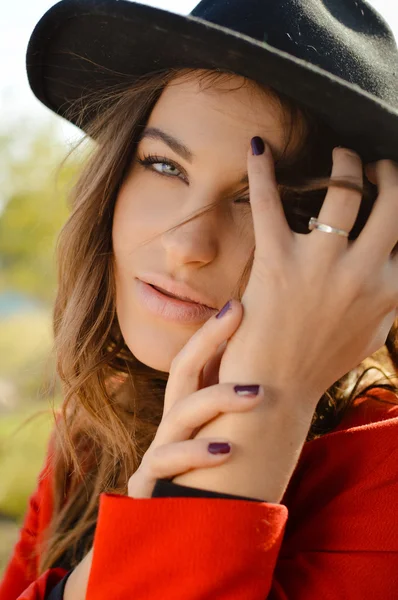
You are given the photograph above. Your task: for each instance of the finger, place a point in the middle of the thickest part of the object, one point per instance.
(273, 235)
(341, 206)
(166, 462)
(210, 375)
(201, 407)
(186, 369)
(380, 233)
(173, 459)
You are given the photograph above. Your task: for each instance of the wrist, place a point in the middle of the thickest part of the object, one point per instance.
(266, 445)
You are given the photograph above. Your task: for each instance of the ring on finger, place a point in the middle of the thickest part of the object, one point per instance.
(315, 224)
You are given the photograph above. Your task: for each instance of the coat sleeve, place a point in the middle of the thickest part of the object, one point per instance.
(21, 580)
(163, 488)
(184, 547)
(340, 539)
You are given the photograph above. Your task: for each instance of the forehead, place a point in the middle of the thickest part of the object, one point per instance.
(230, 108)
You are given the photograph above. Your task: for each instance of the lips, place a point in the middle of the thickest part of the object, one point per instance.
(176, 289)
(159, 289)
(171, 308)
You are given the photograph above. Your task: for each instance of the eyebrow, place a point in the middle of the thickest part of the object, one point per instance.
(154, 133)
(175, 144)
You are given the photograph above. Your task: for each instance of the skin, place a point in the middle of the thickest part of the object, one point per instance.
(205, 252)
(293, 276)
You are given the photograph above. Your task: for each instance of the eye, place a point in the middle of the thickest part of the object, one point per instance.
(166, 168)
(169, 168)
(161, 165)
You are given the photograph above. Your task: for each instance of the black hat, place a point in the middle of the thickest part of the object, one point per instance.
(336, 57)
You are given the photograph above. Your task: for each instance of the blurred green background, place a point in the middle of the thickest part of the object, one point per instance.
(33, 209)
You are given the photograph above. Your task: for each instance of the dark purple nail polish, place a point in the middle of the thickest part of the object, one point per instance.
(219, 448)
(258, 146)
(224, 309)
(247, 390)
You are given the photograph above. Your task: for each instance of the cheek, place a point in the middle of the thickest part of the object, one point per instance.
(143, 208)
(124, 239)
(127, 222)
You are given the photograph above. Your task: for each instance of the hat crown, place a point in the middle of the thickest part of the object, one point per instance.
(339, 58)
(348, 38)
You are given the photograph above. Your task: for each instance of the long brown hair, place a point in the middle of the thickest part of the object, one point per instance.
(112, 402)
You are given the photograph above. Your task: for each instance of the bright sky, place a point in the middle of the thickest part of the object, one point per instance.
(18, 19)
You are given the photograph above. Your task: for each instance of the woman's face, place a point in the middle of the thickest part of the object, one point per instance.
(209, 253)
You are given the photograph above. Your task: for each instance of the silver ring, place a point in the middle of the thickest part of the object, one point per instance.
(315, 224)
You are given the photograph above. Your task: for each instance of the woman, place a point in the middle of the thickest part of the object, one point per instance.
(257, 392)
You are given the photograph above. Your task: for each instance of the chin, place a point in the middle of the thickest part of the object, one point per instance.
(160, 365)
(155, 360)
(149, 342)
(150, 351)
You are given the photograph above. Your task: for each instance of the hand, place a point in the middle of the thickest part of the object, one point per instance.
(316, 304)
(186, 407)
(190, 403)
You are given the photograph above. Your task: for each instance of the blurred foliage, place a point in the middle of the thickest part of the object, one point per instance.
(34, 182)
(34, 207)
(29, 365)
(9, 533)
(22, 449)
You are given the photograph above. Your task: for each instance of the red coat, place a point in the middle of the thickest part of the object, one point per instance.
(334, 536)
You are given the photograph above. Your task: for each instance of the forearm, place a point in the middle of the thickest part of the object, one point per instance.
(266, 446)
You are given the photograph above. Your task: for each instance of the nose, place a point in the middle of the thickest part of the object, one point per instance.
(195, 241)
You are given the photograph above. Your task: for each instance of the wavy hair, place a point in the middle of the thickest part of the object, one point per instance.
(112, 403)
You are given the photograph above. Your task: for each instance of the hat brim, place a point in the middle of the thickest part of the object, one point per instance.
(133, 39)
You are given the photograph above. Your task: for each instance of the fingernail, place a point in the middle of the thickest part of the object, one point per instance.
(258, 146)
(247, 390)
(224, 310)
(219, 448)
